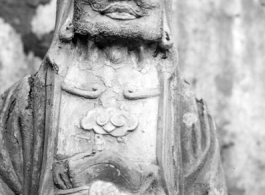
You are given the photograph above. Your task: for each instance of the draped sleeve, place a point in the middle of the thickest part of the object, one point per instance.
(203, 173)
(15, 137)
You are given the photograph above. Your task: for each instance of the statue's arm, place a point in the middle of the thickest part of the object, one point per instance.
(15, 137)
(203, 170)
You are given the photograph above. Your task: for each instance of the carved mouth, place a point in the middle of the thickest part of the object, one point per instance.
(120, 11)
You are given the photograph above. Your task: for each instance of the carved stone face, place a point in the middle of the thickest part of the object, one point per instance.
(131, 19)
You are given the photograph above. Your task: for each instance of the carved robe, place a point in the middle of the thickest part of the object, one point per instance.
(80, 125)
(23, 147)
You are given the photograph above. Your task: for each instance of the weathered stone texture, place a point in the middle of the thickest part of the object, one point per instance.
(221, 53)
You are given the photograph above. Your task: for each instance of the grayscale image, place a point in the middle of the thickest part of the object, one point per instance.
(132, 97)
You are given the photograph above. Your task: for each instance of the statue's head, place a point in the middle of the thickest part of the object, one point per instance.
(141, 19)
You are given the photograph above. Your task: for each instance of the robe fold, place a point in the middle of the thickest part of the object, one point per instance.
(24, 125)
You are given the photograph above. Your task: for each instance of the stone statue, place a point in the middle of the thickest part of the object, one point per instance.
(108, 112)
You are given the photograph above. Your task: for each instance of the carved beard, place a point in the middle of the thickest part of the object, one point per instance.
(89, 19)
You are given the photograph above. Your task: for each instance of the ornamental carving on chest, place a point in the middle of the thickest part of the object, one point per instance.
(108, 112)
(109, 121)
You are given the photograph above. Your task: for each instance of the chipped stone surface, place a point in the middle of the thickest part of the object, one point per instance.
(112, 114)
(189, 119)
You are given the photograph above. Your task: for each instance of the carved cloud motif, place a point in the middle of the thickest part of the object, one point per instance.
(109, 121)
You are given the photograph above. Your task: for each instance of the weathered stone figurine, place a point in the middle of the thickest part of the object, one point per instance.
(108, 112)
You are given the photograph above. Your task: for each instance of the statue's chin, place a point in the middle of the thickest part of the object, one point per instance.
(111, 28)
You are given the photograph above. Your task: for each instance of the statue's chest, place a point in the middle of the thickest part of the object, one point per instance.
(109, 109)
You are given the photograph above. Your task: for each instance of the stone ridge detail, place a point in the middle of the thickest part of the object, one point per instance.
(110, 121)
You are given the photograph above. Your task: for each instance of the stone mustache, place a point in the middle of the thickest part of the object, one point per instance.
(108, 112)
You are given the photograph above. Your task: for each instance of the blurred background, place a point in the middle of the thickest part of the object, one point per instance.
(221, 45)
